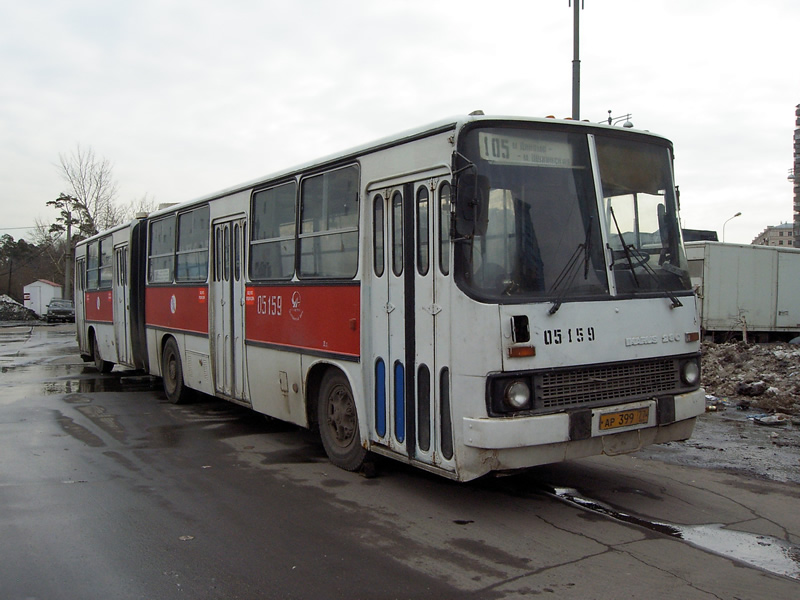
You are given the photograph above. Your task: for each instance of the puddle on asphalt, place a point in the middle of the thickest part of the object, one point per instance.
(79, 432)
(25, 380)
(88, 385)
(762, 551)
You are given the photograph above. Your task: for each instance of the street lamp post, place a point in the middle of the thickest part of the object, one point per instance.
(576, 62)
(738, 214)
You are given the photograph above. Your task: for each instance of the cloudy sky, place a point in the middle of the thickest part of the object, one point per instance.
(186, 97)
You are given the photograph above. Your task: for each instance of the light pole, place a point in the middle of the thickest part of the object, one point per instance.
(576, 62)
(738, 214)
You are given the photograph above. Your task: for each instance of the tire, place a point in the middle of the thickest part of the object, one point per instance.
(338, 422)
(172, 374)
(101, 365)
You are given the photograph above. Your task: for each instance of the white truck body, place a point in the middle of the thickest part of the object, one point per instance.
(754, 290)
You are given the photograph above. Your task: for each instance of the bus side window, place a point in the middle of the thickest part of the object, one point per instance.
(80, 276)
(192, 255)
(226, 252)
(218, 254)
(272, 248)
(93, 266)
(161, 256)
(329, 224)
(397, 233)
(444, 228)
(423, 243)
(106, 258)
(377, 235)
(237, 253)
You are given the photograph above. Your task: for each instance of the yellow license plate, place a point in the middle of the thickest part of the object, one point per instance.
(624, 418)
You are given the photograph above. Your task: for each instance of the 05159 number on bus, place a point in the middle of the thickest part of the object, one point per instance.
(577, 335)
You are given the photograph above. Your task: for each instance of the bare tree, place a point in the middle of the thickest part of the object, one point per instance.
(92, 185)
(51, 244)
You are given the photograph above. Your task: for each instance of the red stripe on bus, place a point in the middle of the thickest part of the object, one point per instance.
(317, 318)
(181, 308)
(99, 306)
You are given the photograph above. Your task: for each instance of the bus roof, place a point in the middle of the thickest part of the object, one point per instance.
(450, 124)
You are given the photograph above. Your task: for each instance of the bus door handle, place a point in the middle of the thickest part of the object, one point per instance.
(434, 309)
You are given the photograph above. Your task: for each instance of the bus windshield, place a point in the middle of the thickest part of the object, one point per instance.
(640, 211)
(527, 219)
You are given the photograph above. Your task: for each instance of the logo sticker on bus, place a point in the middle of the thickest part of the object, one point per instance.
(296, 312)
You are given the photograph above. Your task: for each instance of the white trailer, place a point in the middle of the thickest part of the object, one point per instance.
(746, 290)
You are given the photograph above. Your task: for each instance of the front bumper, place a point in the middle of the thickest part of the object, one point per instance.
(531, 431)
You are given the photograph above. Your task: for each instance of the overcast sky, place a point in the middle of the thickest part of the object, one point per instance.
(186, 97)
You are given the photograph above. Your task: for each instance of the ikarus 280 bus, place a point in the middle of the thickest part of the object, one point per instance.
(480, 294)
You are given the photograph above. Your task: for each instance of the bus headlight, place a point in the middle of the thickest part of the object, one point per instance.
(690, 372)
(517, 395)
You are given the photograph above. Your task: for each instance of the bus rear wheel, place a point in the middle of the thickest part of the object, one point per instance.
(338, 422)
(172, 373)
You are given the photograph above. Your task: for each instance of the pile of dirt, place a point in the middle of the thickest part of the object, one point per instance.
(11, 310)
(759, 376)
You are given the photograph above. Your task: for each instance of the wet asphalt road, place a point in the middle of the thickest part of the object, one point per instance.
(107, 491)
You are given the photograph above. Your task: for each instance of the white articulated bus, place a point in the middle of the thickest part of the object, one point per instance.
(482, 294)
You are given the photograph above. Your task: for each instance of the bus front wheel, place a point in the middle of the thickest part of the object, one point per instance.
(338, 422)
(172, 373)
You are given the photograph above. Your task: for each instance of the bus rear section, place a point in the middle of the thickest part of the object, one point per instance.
(108, 315)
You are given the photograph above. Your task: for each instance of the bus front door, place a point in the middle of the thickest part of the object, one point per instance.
(411, 337)
(227, 304)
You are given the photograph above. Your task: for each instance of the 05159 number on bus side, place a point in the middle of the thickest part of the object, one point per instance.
(269, 305)
(577, 335)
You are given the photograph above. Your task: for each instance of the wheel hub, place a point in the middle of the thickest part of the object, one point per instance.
(341, 416)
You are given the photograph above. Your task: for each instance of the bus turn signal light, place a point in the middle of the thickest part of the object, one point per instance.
(521, 351)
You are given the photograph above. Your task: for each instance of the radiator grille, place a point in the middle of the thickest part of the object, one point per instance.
(610, 383)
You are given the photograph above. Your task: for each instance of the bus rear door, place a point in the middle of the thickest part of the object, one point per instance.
(80, 301)
(122, 312)
(227, 298)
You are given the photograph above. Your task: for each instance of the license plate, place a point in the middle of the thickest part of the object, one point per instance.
(624, 418)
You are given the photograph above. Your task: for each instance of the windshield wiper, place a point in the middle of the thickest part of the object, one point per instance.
(625, 249)
(570, 270)
(642, 260)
